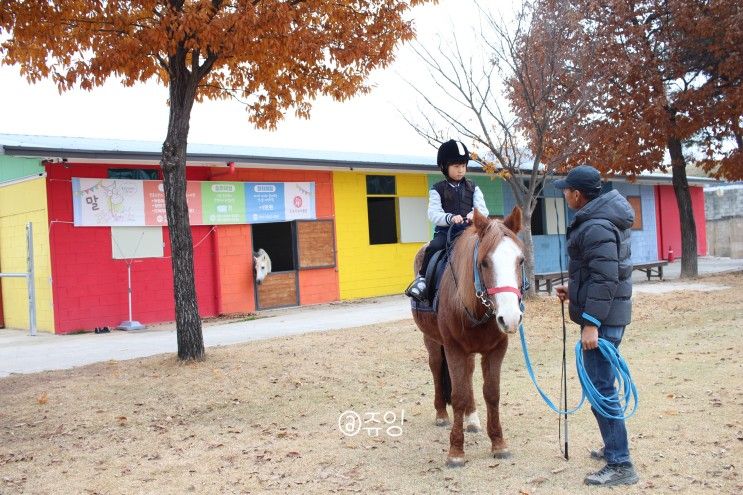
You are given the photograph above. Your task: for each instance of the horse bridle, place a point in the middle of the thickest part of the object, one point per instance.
(480, 290)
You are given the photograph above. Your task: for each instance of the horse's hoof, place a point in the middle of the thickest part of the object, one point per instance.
(455, 462)
(443, 422)
(501, 454)
(472, 428)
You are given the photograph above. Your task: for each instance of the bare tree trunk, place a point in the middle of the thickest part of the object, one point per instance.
(529, 261)
(188, 322)
(689, 266)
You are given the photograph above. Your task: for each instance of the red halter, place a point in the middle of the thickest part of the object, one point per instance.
(507, 288)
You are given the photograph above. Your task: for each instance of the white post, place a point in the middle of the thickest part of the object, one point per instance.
(30, 279)
(130, 324)
(129, 285)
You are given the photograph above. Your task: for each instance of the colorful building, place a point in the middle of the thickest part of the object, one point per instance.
(337, 226)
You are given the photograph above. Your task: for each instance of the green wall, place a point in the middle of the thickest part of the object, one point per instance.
(12, 168)
(491, 187)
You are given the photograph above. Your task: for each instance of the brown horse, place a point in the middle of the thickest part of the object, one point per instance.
(468, 323)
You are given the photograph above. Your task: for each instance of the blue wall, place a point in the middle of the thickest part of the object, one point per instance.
(644, 242)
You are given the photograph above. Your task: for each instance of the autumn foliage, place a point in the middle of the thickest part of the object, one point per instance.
(273, 55)
(665, 80)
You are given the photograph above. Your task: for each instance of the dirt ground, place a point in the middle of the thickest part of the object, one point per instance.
(264, 416)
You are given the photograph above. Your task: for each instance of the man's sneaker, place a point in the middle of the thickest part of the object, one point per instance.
(612, 475)
(417, 289)
(597, 454)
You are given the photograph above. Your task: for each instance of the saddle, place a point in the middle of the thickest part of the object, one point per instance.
(434, 273)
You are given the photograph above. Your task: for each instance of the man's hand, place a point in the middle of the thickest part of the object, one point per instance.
(457, 219)
(562, 292)
(589, 337)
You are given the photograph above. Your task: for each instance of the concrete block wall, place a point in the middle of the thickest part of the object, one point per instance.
(723, 209)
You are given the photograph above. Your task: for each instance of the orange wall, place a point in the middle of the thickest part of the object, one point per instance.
(318, 285)
(235, 262)
(235, 250)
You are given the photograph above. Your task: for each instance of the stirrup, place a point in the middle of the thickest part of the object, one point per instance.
(417, 289)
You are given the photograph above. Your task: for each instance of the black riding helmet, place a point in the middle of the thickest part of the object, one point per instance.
(451, 152)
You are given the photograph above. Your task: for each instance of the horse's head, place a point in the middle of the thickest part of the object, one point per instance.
(261, 265)
(500, 256)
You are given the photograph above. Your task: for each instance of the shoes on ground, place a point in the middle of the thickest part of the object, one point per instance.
(613, 475)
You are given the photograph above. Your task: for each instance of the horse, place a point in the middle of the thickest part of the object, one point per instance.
(471, 321)
(261, 265)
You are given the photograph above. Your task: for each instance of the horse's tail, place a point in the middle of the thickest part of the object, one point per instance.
(445, 378)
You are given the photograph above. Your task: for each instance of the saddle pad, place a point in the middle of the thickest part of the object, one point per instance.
(425, 306)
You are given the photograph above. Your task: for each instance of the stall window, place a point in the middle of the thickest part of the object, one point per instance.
(315, 244)
(538, 219)
(381, 205)
(636, 203)
(132, 173)
(277, 239)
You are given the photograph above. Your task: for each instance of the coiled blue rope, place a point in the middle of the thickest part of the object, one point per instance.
(612, 407)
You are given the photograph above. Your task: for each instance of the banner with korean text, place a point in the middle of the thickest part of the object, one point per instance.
(123, 202)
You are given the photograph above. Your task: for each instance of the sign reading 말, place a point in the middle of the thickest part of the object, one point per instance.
(123, 202)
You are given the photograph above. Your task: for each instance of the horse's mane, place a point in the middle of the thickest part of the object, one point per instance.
(462, 262)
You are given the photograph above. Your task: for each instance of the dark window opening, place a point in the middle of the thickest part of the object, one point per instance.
(380, 184)
(537, 218)
(382, 220)
(132, 173)
(277, 239)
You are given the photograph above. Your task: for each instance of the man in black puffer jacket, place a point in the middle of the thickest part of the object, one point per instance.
(600, 295)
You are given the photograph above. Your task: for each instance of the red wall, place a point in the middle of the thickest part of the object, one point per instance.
(668, 221)
(90, 288)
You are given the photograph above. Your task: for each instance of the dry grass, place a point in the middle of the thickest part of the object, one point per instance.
(263, 416)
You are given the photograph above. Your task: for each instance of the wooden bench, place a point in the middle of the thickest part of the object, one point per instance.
(652, 268)
(548, 279)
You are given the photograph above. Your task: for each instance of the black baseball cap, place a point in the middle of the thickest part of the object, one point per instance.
(582, 178)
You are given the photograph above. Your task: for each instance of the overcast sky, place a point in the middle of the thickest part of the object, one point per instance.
(369, 123)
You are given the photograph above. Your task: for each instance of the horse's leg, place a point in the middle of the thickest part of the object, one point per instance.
(440, 393)
(461, 367)
(471, 418)
(491, 366)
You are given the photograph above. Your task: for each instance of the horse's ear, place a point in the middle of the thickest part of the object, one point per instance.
(513, 221)
(481, 222)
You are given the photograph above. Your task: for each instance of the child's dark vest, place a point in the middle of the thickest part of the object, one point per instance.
(456, 200)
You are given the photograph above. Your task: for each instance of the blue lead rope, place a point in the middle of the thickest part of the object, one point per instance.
(609, 407)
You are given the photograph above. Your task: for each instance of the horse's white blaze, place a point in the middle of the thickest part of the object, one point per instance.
(505, 261)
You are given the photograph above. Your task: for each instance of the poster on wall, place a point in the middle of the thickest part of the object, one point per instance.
(154, 203)
(123, 202)
(223, 202)
(279, 201)
(99, 202)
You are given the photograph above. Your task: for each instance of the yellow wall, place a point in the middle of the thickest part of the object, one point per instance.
(21, 203)
(366, 270)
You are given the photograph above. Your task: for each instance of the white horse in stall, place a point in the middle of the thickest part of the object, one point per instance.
(261, 265)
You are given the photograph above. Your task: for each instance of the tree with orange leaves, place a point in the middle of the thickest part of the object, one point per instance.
(712, 43)
(663, 74)
(274, 54)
